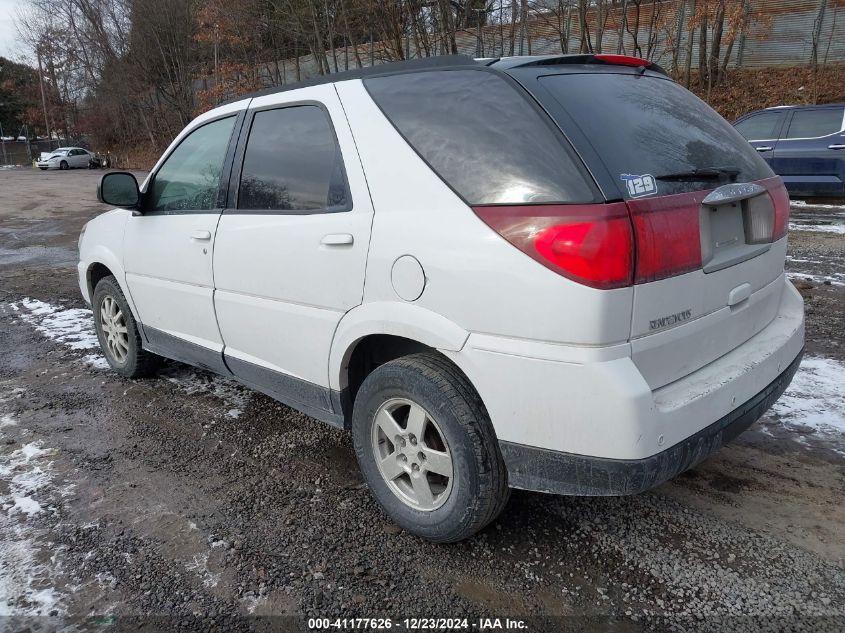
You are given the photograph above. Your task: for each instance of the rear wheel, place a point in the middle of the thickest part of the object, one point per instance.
(118, 332)
(427, 449)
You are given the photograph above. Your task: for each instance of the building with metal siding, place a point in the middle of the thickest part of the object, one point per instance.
(782, 32)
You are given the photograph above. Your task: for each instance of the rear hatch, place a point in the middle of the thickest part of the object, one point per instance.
(708, 213)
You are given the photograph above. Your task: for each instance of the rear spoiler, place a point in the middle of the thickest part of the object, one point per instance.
(503, 63)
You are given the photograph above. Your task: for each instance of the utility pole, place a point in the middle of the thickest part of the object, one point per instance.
(522, 15)
(28, 148)
(216, 81)
(43, 95)
(3, 143)
(479, 43)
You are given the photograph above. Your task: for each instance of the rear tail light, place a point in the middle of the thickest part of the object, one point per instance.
(623, 243)
(780, 197)
(666, 230)
(591, 244)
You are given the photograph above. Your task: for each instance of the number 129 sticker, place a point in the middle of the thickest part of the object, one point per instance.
(644, 185)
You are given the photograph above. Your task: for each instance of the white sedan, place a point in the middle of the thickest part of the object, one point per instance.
(65, 158)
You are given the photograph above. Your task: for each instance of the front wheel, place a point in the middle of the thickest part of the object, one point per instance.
(427, 449)
(118, 332)
(64, 165)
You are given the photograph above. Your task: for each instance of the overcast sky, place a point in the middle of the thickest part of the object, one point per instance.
(8, 33)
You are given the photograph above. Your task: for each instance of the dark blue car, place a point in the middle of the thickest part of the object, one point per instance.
(803, 144)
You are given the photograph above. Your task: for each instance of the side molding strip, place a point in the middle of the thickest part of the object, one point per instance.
(312, 400)
(170, 346)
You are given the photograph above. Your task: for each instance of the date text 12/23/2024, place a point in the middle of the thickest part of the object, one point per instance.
(417, 624)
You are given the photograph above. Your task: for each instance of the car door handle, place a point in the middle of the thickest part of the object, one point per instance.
(337, 239)
(765, 148)
(836, 146)
(201, 236)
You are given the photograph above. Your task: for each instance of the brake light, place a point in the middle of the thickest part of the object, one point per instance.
(780, 197)
(667, 235)
(622, 60)
(591, 244)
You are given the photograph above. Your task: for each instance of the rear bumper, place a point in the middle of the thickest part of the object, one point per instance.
(543, 470)
(574, 419)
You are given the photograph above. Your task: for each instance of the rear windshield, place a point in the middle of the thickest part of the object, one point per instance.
(645, 127)
(482, 137)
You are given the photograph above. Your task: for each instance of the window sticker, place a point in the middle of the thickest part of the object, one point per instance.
(644, 185)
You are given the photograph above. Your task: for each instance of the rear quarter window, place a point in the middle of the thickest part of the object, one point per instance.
(645, 125)
(483, 137)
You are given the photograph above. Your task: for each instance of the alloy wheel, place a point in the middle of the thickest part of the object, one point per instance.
(412, 454)
(114, 329)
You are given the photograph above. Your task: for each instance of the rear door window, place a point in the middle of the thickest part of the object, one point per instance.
(815, 123)
(484, 138)
(293, 163)
(646, 127)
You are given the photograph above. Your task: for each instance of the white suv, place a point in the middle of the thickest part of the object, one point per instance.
(559, 274)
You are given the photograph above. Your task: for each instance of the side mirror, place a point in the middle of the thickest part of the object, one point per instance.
(119, 189)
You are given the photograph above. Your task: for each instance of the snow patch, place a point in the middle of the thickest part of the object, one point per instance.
(797, 204)
(25, 473)
(73, 327)
(816, 398)
(96, 360)
(192, 381)
(837, 279)
(199, 566)
(26, 585)
(818, 228)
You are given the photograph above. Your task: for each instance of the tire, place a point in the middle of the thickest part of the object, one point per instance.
(126, 356)
(455, 424)
(64, 165)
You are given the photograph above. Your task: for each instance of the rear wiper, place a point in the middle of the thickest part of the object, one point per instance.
(704, 173)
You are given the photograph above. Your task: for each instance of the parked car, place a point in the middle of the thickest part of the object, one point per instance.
(66, 158)
(805, 145)
(486, 291)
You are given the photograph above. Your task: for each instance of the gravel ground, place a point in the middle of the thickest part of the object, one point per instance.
(186, 502)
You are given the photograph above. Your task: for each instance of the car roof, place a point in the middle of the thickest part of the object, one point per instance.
(391, 68)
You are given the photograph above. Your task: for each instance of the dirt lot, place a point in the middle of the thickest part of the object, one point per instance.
(187, 502)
